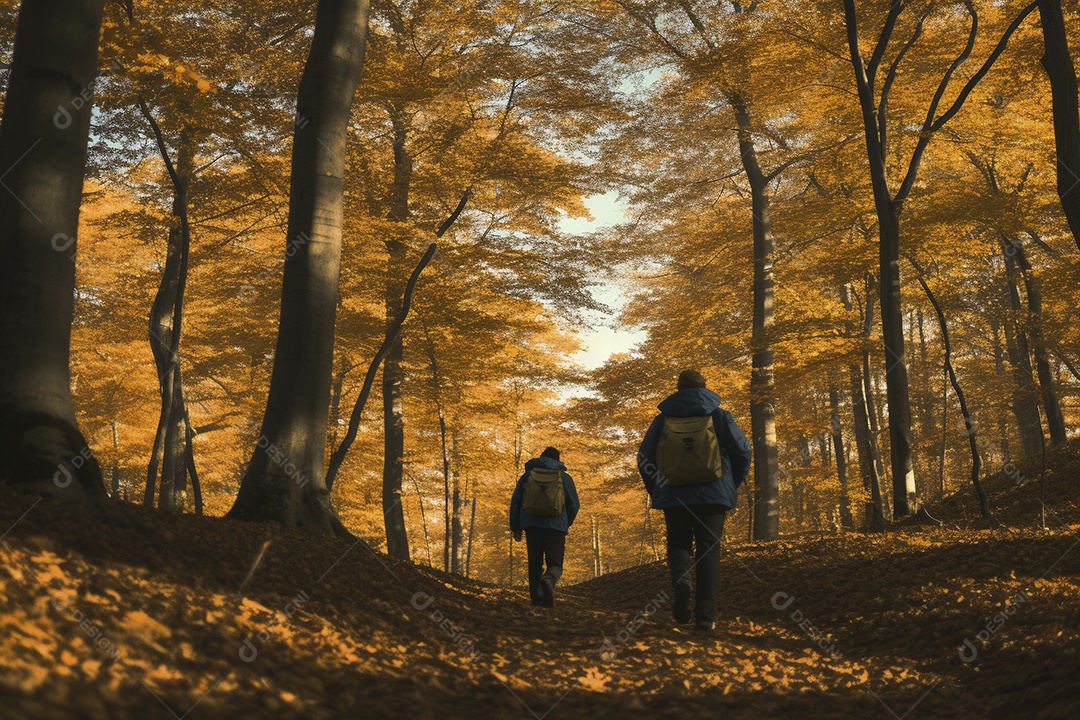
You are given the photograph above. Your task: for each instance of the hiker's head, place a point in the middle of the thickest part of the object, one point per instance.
(550, 452)
(691, 379)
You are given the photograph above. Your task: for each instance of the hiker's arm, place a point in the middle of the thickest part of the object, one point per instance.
(736, 446)
(515, 507)
(646, 457)
(572, 502)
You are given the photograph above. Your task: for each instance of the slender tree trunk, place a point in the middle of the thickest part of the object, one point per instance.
(397, 541)
(166, 324)
(285, 479)
(447, 534)
(115, 485)
(999, 370)
(1055, 420)
(46, 122)
(598, 560)
(1062, 74)
(456, 529)
(1025, 404)
(969, 422)
(472, 533)
(841, 458)
(189, 459)
(798, 489)
(865, 439)
(423, 519)
(393, 332)
(762, 393)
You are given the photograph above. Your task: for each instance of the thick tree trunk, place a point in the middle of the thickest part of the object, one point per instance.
(762, 392)
(285, 479)
(46, 122)
(1062, 74)
(397, 540)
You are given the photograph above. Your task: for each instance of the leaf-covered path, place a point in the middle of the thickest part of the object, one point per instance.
(145, 619)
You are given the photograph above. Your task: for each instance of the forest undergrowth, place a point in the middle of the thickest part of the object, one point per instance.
(149, 615)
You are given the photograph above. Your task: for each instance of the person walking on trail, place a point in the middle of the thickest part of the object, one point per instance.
(544, 506)
(693, 459)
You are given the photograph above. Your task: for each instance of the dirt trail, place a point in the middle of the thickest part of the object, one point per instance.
(144, 619)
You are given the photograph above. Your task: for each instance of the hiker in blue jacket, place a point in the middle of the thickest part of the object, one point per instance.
(694, 501)
(544, 506)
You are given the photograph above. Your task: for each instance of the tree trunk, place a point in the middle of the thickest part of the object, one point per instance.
(1055, 420)
(456, 535)
(865, 439)
(969, 422)
(447, 537)
(762, 401)
(472, 533)
(397, 541)
(166, 324)
(1025, 405)
(285, 479)
(115, 485)
(841, 459)
(1059, 69)
(393, 332)
(598, 560)
(43, 136)
(999, 371)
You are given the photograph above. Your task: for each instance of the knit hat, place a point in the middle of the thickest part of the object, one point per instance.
(691, 379)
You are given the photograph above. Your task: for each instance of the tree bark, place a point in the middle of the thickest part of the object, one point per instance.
(285, 479)
(892, 322)
(1055, 420)
(762, 392)
(999, 371)
(170, 449)
(841, 459)
(43, 137)
(1025, 405)
(969, 422)
(397, 541)
(393, 332)
(472, 532)
(1058, 64)
(115, 484)
(456, 530)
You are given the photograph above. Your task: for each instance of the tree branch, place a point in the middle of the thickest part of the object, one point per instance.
(392, 331)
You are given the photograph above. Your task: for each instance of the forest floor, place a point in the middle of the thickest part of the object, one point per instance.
(150, 618)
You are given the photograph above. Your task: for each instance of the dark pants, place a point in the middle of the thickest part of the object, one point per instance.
(701, 526)
(544, 543)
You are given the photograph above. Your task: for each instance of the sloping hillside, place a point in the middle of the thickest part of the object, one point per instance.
(145, 618)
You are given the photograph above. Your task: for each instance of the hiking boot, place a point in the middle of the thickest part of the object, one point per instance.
(704, 626)
(547, 592)
(681, 609)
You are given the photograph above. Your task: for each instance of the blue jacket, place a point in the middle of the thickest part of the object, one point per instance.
(519, 519)
(733, 446)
